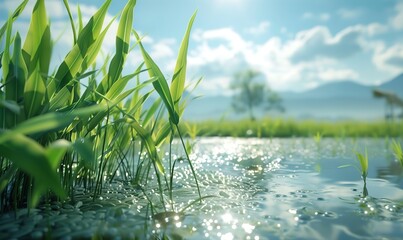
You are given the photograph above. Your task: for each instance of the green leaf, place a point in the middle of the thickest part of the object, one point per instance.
(84, 147)
(6, 177)
(94, 49)
(55, 152)
(122, 44)
(363, 160)
(5, 60)
(111, 103)
(31, 158)
(34, 94)
(10, 105)
(38, 45)
(150, 146)
(16, 13)
(178, 81)
(397, 150)
(60, 99)
(74, 59)
(161, 85)
(49, 122)
(19, 69)
(73, 28)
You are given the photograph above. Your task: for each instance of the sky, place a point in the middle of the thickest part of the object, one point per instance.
(296, 44)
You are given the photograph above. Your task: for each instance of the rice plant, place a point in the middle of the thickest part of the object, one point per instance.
(362, 168)
(363, 160)
(397, 150)
(58, 133)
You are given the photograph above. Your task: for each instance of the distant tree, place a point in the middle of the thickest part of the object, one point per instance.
(251, 92)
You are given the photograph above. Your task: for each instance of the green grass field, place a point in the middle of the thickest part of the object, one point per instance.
(267, 128)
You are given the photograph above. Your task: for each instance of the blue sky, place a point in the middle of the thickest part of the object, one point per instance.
(296, 44)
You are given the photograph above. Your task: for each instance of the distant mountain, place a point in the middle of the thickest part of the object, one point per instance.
(334, 89)
(395, 85)
(332, 101)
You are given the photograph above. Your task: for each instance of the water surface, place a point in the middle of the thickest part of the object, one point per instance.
(292, 188)
(260, 189)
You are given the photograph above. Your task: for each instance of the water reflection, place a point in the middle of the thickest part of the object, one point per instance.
(291, 188)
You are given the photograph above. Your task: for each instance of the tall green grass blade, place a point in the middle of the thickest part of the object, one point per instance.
(34, 94)
(37, 48)
(73, 28)
(6, 177)
(55, 151)
(19, 69)
(121, 83)
(122, 47)
(150, 146)
(60, 99)
(31, 158)
(74, 59)
(11, 106)
(84, 147)
(397, 150)
(161, 85)
(363, 160)
(151, 112)
(178, 81)
(5, 59)
(49, 122)
(94, 49)
(80, 18)
(15, 14)
(111, 103)
(14, 82)
(163, 133)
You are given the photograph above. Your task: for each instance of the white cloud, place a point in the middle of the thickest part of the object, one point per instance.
(318, 42)
(323, 17)
(308, 59)
(55, 8)
(259, 29)
(332, 74)
(163, 49)
(397, 20)
(389, 59)
(349, 13)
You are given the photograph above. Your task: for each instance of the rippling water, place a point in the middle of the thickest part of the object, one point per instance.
(291, 188)
(260, 189)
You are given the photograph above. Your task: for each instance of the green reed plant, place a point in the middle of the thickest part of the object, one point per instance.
(363, 160)
(82, 138)
(397, 150)
(172, 95)
(362, 168)
(317, 138)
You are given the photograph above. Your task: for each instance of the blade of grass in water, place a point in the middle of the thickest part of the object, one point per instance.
(178, 82)
(29, 156)
(397, 150)
(161, 85)
(363, 160)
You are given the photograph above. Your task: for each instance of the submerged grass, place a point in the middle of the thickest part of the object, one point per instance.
(57, 133)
